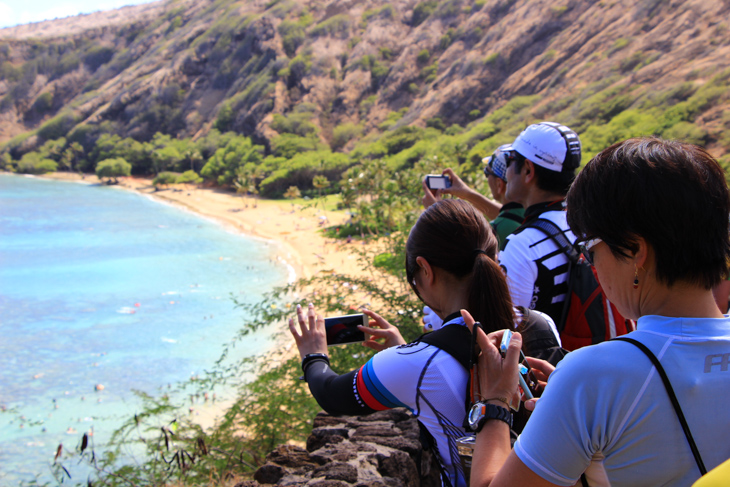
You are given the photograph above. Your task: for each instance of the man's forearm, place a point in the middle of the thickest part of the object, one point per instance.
(489, 207)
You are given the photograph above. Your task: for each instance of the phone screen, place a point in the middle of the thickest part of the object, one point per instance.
(434, 181)
(343, 329)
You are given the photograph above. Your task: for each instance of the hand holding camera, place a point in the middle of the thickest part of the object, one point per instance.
(434, 186)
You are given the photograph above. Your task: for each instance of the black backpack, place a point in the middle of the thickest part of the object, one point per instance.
(588, 316)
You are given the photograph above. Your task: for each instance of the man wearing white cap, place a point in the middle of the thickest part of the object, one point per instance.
(505, 215)
(546, 156)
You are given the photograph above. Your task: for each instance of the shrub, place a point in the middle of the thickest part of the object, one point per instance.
(294, 123)
(33, 163)
(113, 169)
(686, 132)
(449, 8)
(429, 73)
(300, 170)
(401, 139)
(225, 118)
(447, 39)
(344, 133)
(98, 55)
(423, 56)
(491, 59)
(436, 123)
(619, 44)
(58, 126)
(165, 178)
(288, 145)
(422, 11)
(335, 26)
(189, 177)
(385, 12)
(43, 103)
(292, 36)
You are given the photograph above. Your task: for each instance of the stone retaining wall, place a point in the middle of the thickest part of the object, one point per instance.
(378, 450)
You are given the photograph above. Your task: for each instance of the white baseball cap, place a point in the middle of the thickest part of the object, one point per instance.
(549, 145)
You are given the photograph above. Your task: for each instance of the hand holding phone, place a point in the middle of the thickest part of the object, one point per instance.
(342, 330)
(528, 383)
(437, 181)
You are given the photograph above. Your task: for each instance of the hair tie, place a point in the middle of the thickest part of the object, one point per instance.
(476, 252)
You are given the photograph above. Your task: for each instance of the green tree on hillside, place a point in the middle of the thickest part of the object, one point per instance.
(34, 163)
(113, 169)
(71, 156)
(225, 163)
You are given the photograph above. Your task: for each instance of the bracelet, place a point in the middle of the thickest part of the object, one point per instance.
(312, 357)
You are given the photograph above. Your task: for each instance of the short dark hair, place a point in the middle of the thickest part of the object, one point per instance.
(547, 180)
(452, 235)
(670, 193)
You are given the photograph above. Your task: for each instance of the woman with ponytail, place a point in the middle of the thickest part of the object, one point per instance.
(450, 264)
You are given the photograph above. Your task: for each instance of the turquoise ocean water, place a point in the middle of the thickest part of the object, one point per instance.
(99, 285)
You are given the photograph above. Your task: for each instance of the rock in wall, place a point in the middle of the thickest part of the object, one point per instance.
(381, 449)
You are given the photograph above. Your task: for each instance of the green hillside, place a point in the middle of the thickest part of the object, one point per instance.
(272, 94)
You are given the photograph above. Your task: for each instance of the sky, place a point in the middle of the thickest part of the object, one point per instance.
(14, 12)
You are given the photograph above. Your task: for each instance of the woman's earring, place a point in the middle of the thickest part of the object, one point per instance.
(636, 278)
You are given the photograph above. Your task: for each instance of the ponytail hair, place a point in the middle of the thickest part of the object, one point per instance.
(453, 236)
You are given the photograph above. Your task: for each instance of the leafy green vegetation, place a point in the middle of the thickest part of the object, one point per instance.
(335, 26)
(422, 11)
(113, 169)
(33, 163)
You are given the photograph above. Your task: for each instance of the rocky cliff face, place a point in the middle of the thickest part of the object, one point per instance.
(236, 64)
(379, 450)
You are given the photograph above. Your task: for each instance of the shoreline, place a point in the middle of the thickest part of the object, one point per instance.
(292, 230)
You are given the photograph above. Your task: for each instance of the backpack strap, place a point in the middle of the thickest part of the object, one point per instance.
(452, 339)
(555, 234)
(672, 397)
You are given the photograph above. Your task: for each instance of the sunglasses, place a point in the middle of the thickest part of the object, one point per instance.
(586, 248)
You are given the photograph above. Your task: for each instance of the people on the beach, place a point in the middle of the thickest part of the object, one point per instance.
(450, 265)
(605, 413)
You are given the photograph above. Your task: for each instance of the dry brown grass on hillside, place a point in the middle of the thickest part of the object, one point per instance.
(79, 23)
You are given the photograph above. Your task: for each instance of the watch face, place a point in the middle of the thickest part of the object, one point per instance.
(475, 414)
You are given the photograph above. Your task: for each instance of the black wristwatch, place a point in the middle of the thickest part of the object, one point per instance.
(311, 357)
(480, 412)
